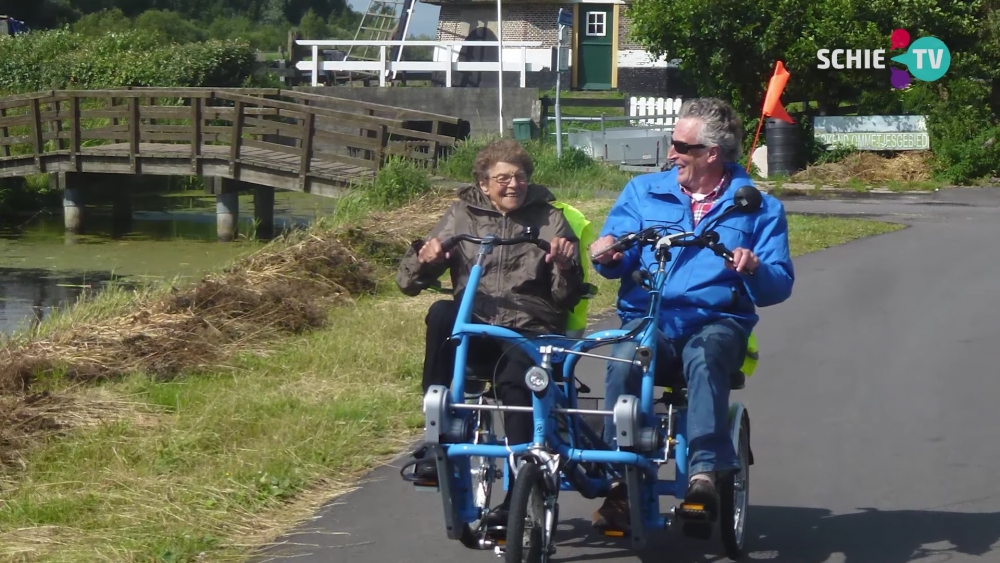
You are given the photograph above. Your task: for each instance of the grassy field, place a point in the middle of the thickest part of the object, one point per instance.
(222, 459)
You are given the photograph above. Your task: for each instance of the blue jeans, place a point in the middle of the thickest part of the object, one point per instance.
(706, 359)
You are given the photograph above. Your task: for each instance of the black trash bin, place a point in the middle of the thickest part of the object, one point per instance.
(784, 147)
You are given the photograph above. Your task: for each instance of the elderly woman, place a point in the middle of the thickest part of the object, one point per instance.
(522, 288)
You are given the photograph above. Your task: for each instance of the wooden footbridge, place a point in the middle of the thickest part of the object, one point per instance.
(271, 138)
(279, 138)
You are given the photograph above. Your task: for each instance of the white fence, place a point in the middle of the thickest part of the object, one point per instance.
(664, 110)
(515, 59)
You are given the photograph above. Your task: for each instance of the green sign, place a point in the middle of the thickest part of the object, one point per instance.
(873, 132)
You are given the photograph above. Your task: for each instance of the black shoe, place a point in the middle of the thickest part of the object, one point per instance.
(424, 468)
(426, 474)
(702, 497)
(495, 523)
(613, 515)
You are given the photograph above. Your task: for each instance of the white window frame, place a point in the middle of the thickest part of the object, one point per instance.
(603, 23)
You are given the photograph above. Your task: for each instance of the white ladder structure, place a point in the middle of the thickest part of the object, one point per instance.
(384, 20)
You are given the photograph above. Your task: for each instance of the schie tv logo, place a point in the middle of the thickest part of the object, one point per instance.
(927, 59)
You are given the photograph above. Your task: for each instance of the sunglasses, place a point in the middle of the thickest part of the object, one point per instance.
(683, 148)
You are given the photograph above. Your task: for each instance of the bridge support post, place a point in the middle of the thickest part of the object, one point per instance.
(72, 200)
(263, 211)
(227, 208)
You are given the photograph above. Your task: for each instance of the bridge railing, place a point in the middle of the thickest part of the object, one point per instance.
(521, 57)
(199, 123)
(423, 136)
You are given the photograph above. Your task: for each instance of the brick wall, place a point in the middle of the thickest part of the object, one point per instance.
(522, 22)
(537, 22)
(451, 26)
(625, 42)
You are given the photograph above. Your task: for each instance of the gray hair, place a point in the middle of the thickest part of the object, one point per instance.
(720, 125)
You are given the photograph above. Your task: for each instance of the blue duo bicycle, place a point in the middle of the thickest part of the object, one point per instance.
(567, 453)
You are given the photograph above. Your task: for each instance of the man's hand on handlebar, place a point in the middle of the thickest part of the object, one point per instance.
(432, 251)
(562, 252)
(601, 244)
(743, 261)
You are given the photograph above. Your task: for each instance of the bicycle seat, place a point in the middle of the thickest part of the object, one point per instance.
(676, 394)
(737, 380)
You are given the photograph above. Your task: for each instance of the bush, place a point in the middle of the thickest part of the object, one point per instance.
(61, 59)
(397, 183)
(965, 135)
(263, 37)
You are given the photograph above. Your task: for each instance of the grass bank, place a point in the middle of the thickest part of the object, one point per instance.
(198, 422)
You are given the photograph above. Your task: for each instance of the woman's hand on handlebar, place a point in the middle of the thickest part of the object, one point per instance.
(432, 252)
(562, 252)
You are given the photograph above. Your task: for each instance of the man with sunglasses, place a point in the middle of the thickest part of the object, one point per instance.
(709, 305)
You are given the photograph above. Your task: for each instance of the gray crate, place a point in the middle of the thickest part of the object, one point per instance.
(633, 146)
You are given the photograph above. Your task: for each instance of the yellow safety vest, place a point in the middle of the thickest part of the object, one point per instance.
(584, 230)
(753, 354)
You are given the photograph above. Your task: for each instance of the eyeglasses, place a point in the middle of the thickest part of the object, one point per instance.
(683, 148)
(505, 179)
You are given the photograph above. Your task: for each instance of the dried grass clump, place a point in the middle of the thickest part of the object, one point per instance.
(285, 288)
(21, 417)
(414, 220)
(276, 290)
(385, 237)
(870, 168)
(30, 417)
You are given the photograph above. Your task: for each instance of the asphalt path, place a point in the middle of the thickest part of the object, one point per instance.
(874, 415)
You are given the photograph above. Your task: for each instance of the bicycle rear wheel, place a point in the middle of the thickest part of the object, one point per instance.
(734, 497)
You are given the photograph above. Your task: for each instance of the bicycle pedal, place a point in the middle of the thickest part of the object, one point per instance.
(694, 513)
(496, 534)
(499, 545)
(613, 533)
(426, 485)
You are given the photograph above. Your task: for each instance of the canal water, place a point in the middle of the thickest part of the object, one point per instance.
(170, 236)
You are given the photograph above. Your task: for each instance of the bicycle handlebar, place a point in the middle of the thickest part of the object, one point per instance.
(651, 236)
(657, 236)
(451, 242)
(746, 200)
(529, 236)
(626, 242)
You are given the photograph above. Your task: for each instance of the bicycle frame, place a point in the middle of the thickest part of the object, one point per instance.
(554, 400)
(645, 440)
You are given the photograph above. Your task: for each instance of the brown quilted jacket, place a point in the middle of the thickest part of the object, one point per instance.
(518, 289)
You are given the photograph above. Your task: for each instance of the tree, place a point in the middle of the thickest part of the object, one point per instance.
(39, 14)
(728, 48)
(313, 26)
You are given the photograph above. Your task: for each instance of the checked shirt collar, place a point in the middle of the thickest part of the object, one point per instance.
(700, 208)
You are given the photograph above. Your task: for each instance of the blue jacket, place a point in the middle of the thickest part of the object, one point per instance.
(699, 288)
